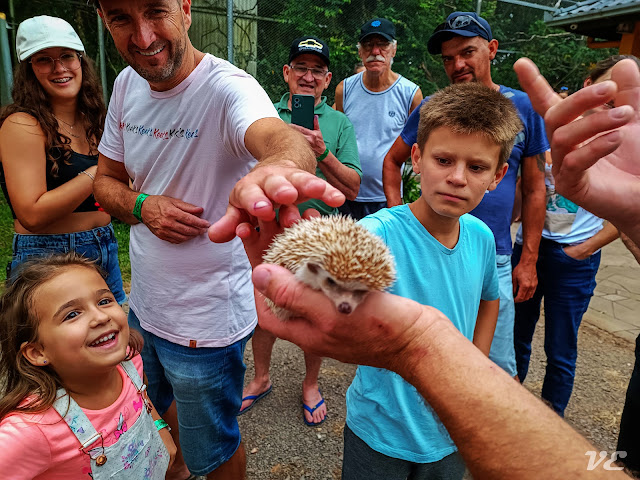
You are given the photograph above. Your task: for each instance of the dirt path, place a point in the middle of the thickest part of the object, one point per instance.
(280, 446)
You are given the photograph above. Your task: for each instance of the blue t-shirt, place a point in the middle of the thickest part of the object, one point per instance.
(496, 207)
(385, 411)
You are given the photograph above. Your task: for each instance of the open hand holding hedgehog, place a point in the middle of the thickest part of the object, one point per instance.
(335, 255)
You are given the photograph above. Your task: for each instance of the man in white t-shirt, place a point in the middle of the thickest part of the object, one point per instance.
(186, 128)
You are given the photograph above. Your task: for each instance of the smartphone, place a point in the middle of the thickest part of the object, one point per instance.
(302, 110)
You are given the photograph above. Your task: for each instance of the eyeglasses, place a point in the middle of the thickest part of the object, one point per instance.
(318, 73)
(370, 45)
(69, 61)
(462, 21)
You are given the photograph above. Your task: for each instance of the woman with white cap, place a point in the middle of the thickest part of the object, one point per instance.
(48, 150)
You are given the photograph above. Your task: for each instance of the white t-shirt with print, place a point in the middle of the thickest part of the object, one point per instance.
(188, 143)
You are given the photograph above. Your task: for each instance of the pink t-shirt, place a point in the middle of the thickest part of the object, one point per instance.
(42, 447)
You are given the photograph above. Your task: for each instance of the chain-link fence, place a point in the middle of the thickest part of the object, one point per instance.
(264, 29)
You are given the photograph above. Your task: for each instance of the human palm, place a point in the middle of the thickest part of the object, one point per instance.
(594, 157)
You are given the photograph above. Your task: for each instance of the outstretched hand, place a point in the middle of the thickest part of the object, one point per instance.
(266, 188)
(594, 157)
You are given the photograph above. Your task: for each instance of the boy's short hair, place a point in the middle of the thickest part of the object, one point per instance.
(468, 108)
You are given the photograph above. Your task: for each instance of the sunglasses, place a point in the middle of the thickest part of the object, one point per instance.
(462, 21)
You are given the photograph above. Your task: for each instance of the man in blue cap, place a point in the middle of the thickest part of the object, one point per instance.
(467, 47)
(378, 102)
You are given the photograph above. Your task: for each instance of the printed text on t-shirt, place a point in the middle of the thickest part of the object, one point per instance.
(158, 133)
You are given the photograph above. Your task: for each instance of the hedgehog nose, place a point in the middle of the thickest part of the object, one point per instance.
(345, 308)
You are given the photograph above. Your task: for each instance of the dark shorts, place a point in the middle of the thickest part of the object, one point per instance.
(361, 462)
(98, 244)
(206, 384)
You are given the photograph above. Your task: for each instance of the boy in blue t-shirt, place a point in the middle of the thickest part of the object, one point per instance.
(445, 259)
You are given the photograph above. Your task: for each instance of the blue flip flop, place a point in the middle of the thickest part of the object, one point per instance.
(255, 399)
(311, 410)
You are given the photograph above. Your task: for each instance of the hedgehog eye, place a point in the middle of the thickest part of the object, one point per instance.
(331, 282)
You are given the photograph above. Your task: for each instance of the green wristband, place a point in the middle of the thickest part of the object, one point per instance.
(137, 209)
(324, 155)
(160, 424)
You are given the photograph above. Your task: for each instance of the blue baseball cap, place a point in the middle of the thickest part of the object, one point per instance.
(464, 24)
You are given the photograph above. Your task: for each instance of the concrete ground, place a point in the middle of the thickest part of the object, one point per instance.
(615, 306)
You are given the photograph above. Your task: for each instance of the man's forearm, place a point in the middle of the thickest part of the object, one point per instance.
(605, 236)
(631, 246)
(344, 178)
(486, 325)
(391, 182)
(632, 233)
(533, 214)
(274, 143)
(392, 171)
(289, 147)
(115, 197)
(501, 430)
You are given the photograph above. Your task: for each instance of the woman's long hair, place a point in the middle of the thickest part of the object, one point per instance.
(603, 66)
(28, 388)
(31, 98)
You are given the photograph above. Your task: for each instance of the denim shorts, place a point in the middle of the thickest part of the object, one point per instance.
(206, 384)
(503, 352)
(98, 244)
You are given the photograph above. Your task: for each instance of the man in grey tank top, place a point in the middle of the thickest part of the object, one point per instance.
(378, 102)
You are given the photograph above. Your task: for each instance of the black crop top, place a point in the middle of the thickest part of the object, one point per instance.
(66, 172)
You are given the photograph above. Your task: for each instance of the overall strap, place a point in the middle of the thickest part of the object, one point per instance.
(131, 371)
(75, 418)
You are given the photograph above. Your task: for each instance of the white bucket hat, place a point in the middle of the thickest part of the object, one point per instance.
(38, 33)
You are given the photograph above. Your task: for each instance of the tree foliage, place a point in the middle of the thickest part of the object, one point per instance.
(562, 57)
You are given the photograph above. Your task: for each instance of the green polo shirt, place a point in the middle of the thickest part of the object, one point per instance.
(339, 137)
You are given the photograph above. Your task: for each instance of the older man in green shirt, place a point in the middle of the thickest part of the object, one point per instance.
(333, 140)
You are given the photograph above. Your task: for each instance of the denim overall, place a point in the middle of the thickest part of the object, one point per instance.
(139, 452)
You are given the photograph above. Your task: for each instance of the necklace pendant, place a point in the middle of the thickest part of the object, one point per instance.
(101, 460)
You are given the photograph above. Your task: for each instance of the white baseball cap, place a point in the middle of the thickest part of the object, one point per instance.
(38, 33)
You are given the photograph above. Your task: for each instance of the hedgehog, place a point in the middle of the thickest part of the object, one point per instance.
(335, 255)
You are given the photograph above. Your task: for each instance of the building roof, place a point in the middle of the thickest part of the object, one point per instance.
(596, 18)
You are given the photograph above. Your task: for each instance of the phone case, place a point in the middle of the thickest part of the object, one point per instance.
(302, 110)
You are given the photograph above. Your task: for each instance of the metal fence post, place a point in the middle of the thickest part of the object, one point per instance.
(102, 60)
(6, 80)
(230, 30)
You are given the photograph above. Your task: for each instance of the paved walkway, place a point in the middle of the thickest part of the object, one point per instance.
(615, 306)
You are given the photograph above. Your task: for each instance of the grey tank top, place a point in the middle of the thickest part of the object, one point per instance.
(378, 119)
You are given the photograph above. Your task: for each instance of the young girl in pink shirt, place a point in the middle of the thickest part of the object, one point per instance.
(74, 405)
